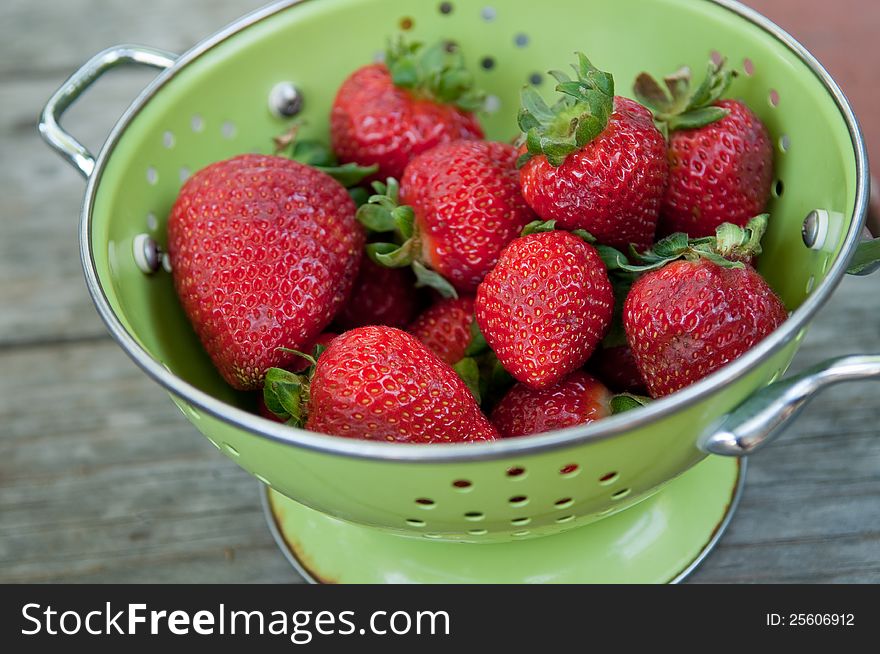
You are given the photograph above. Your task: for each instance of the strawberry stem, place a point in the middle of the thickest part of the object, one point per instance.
(437, 73)
(579, 116)
(678, 106)
(318, 155)
(285, 393)
(383, 214)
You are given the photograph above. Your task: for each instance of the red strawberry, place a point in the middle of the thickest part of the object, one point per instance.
(577, 399)
(545, 306)
(264, 252)
(720, 155)
(379, 383)
(388, 113)
(616, 366)
(445, 328)
(688, 318)
(594, 161)
(381, 296)
(461, 205)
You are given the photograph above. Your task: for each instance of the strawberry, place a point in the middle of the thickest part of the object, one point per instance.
(720, 155)
(381, 296)
(593, 161)
(445, 327)
(694, 311)
(387, 113)
(264, 252)
(617, 368)
(545, 306)
(459, 205)
(576, 400)
(380, 383)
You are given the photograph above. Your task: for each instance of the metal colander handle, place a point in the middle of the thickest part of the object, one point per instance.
(763, 416)
(55, 135)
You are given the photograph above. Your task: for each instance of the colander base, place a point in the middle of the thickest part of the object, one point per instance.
(659, 540)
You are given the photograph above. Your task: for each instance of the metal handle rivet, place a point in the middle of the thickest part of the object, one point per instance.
(285, 100)
(148, 256)
(815, 229)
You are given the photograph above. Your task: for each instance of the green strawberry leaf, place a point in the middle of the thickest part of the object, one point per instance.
(679, 105)
(284, 393)
(391, 255)
(477, 344)
(469, 372)
(697, 118)
(538, 226)
(579, 115)
(438, 73)
(427, 277)
(349, 174)
(359, 195)
(313, 152)
(375, 218)
(627, 402)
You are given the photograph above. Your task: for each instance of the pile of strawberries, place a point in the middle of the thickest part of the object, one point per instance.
(416, 283)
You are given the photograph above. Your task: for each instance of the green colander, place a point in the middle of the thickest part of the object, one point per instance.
(637, 497)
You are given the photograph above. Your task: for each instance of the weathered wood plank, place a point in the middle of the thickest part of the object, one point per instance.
(108, 482)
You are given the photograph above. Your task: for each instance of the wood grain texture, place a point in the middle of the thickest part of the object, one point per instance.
(102, 479)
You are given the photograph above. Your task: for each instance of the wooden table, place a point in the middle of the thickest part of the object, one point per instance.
(102, 479)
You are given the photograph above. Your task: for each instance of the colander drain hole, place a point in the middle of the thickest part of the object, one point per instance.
(619, 495)
(569, 470)
(784, 143)
(748, 67)
(564, 503)
(445, 8)
(462, 485)
(197, 123)
(518, 500)
(152, 175)
(415, 522)
(520, 522)
(478, 532)
(565, 518)
(168, 139)
(608, 478)
(516, 472)
(773, 98)
(778, 189)
(425, 502)
(474, 516)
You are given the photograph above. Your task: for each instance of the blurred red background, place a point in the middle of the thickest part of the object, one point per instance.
(843, 35)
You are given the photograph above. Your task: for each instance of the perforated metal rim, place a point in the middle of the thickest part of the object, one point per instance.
(303, 571)
(607, 428)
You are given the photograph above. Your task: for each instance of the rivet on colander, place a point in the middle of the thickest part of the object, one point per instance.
(147, 254)
(815, 229)
(285, 100)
